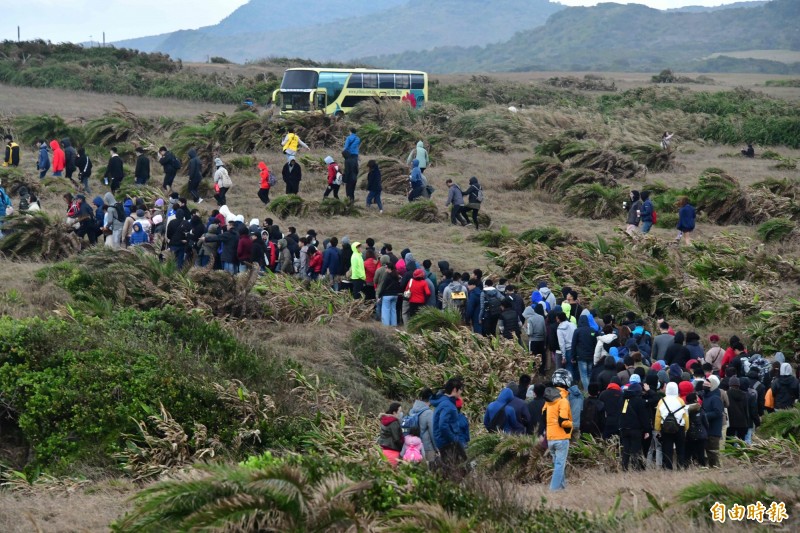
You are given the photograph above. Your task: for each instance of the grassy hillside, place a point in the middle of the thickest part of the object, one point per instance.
(349, 32)
(622, 37)
(122, 71)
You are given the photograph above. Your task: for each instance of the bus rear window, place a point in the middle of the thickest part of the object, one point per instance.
(417, 81)
(299, 79)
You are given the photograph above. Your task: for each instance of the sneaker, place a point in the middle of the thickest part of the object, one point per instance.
(381, 211)
(200, 201)
(105, 181)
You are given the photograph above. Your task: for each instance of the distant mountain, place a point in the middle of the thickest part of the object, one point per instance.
(342, 30)
(620, 37)
(705, 9)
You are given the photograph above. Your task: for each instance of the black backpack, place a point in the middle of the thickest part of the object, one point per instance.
(493, 305)
(120, 211)
(175, 163)
(670, 425)
(697, 426)
(498, 422)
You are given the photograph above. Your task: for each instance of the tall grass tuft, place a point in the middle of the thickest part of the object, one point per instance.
(288, 205)
(420, 211)
(432, 319)
(776, 229)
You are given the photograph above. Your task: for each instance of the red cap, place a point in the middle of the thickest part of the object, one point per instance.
(714, 338)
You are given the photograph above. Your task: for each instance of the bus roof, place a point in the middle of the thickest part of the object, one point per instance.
(377, 70)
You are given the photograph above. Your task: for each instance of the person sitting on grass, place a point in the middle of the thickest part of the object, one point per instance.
(749, 151)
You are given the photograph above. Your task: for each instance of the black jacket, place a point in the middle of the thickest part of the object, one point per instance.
(229, 240)
(612, 404)
(70, 156)
(84, 166)
(583, 341)
(634, 415)
(171, 164)
(608, 373)
(177, 232)
(114, 169)
(292, 174)
(677, 354)
(142, 171)
(195, 167)
(738, 409)
(785, 391)
(391, 285)
(374, 180)
(510, 322)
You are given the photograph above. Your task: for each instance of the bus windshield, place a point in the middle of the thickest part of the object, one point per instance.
(299, 80)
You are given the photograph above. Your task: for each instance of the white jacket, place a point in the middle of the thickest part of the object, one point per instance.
(222, 178)
(599, 351)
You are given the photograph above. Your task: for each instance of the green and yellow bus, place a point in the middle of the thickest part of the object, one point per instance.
(335, 91)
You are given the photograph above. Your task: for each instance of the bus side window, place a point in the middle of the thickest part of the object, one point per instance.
(387, 81)
(417, 81)
(370, 81)
(355, 81)
(402, 81)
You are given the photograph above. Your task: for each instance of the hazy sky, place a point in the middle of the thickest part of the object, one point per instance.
(77, 20)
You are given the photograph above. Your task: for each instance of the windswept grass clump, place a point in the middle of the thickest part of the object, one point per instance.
(394, 175)
(288, 205)
(332, 207)
(420, 210)
(432, 319)
(594, 200)
(776, 229)
(37, 235)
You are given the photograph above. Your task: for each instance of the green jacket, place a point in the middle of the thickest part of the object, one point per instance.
(357, 264)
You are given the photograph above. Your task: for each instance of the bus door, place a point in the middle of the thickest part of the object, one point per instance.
(321, 100)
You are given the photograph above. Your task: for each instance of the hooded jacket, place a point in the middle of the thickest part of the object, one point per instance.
(557, 414)
(672, 403)
(138, 236)
(84, 164)
(391, 435)
(352, 144)
(425, 424)
(535, 326)
(548, 296)
(565, 332)
(712, 405)
(416, 175)
(454, 196)
(472, 192)
(739, 415)
(634, 413)
(445, 421)
(330, 261)
(195, 167)
(503, 401)
(608, 372)
(263, 171)
(230, 241)
(785, 388)
(633, 217)
(418, 285)
(599, 347)
(59, 161)
(98, 203)
(222, 178)
(374, 181)
(114, 169)
(584, 341)
(70, 156)
(357, 271)
(142, 170)
(612, 405)
(420, 154)
(43, 163)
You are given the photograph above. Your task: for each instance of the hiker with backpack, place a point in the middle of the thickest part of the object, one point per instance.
(335, 177)
(268, 179)
(447, 426)
(474, 196)
(671, 423)
(171, 165)
(491, 308)
(510, 325)
(391, 434)
(785, 388)
(455, 295)
(420, 418)
(500, 416)
(11, 158)
(558, 420)
(697, 434)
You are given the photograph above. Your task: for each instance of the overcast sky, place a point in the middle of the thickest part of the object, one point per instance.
(78, 20)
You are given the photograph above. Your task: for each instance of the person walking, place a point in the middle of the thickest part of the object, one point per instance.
(455, 200)
(195, 175)
(646, 213)
(114, 171)
(634, 425)
(292, 175)
(11, 158)
(43, 161)
(171, 166)
(350, 154)
(70, 158)
(558, 421)
(416, 181)
(665, 140)
(222, 182)
(634, 212)
(686, 220)
(374, 185)
(335, 177)
(58, 159)
(263, 190)
(84, 169)
(421, 154)
(291, 143)
(141, 173)
(474, 195)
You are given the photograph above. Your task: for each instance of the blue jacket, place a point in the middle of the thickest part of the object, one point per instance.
(445, 421)
(575, 399)
(686, 217)
(712, 405)
(351, 144)
(503, 401)
(99, 215)
(474, 310)
(43, 163)
(5, 202)
(416, 174)
(647, 211)
(138, 236)
(463, 429)
(330, 261)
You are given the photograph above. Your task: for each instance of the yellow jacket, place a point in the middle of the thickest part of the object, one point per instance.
(662, 411)
(557, 414)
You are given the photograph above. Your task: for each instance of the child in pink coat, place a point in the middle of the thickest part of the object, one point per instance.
(413, 450)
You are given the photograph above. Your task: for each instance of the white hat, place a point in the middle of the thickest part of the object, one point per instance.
(218, 162)
(254, 222)
(226, 212)
(239, 218)
(328, 160)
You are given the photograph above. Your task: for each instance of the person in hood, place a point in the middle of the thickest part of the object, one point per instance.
(420, 291)
(420, 154)
(43, 161)
(584, 342)
(558, 421)
(70, 158)
(263, 190)
(222, 182)
(59, 161)
(113, 220)
(565, 332)
(785, 389)
(422, 410)
(139, 237)
(740, 415)
(84, 169)
(634, 212)
(455, 200)
(455, 294)
(686, 221)
(714, 409)
(229, 240)
(672, 404)
(195, 175)
(330, 263)
(11, 158)
(334, 178)
(500, 416)
(446, 425)
(612, 406)
(417, 182)
(285, 258)
(391, 435)
(171, 166)
(634, 424)
(473, 198)
(547, 295)
(358, 275)
(114, 171)
(292, 175)
(141, 172)
(374, 185)
(314, 263)
(646, 212)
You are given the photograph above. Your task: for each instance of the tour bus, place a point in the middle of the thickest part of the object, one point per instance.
(335, 91)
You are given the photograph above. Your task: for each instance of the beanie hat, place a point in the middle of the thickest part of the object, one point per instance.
(160, 202)
(656, 366)
(635, 379)
(542, 284)
(634, 387)
(218, 162)
(662, 376)
(690, 363)
(140, 213)
(675, 370)
(733, 382)
(714, 380)
(714, 338)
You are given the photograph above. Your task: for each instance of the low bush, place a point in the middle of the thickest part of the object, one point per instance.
(37, 235)
(375, 348)
(289, 205)
(330, 207)
(432, 319)
(776, 229)
(420, 211)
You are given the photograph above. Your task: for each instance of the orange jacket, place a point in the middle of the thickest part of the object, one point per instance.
(558, 415)
(264, 175)
(59, 161)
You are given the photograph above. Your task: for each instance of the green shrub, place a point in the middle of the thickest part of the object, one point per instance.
(375, 348)
(776, 229)
(420, 210)
(667, 220)
(595, 201)
(783, 423)
(549, 235)
(288, 205)
(432, 319)
(334, 207)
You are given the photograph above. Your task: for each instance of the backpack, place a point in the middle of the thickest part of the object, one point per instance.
(498, 423)
(763, 367)
(272, 180)
(697, 426)
(458, 297)
(24, 204)
(121, 216)
(411, 421)
(337, 180)
(670, 425)
(479, 195)
(176, 163)
(493, 306)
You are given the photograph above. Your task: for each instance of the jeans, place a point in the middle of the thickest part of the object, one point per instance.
(203, 260)
(571, 367)
(57, 174)
(228, 267)
(180, 253)
(389, 310)
(376, 197)
(456, 217)
(85, 183)
(748, 438)
(242, 267)
(585, 369)
(43, 174)
(559, 450)
(646, 227)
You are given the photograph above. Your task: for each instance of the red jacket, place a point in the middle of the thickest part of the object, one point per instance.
(264, 175)
(419, 291)
(370, 266)
(315, 263)
(59, 161)
(244, 250)
(726, 360)
(333, 168)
